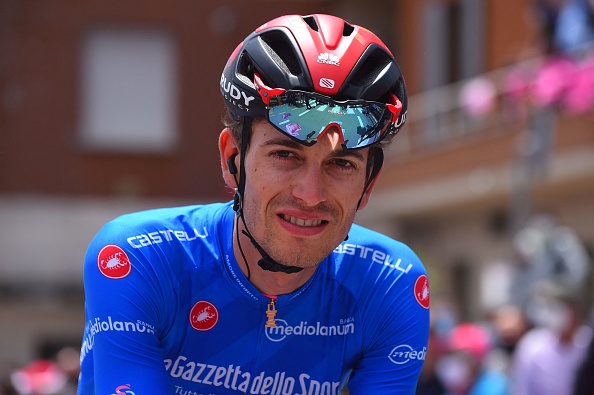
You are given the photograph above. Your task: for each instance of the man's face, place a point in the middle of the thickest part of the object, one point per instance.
(300, 202)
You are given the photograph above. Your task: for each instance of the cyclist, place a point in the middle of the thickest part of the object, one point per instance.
(276, 292)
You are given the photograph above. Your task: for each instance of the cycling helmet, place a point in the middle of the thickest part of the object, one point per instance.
(315, 53)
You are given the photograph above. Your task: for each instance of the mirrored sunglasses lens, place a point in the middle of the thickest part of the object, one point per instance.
(304, 118)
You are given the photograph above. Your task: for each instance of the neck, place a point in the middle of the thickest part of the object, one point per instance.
(267, 282)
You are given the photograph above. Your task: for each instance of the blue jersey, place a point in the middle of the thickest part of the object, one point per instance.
(169, 311)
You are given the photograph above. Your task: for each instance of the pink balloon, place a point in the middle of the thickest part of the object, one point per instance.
(477, 97)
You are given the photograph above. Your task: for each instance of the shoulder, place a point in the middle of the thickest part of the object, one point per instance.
(378, 253)
(160, 225)
(157, 235)
(372, 265)
(389, 284)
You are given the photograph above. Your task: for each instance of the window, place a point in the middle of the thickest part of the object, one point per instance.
(453, 50)
(454, 41)
(128, 91)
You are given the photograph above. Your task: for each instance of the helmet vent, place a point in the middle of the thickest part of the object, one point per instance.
(245, 70)
(347, 30)
(280, 49)
(311, 21)
(366, 73)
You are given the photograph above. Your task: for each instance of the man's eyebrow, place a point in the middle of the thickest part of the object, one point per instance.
(290, 143)
(283, 141)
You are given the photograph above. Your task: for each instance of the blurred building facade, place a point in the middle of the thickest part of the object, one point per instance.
(110, 107)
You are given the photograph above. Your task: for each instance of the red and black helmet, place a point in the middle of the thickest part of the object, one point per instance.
(315, 53)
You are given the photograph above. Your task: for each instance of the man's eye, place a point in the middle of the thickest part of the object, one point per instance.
(343, 163)
(282, 154)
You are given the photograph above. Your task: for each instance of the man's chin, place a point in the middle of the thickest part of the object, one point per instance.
(299, 260)
(301, 252)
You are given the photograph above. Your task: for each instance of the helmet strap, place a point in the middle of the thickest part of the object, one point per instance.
(378, 162)
(266, 262)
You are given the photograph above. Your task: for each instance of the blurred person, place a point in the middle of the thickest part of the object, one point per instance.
(40, 377)
(469, 367)
(546, 13)
(546, 253)
(508, 323)
(276, 291)
(584, 380)
(574, 26)
(565, 25)
(559, 74)
(68, 359)
(548, 356)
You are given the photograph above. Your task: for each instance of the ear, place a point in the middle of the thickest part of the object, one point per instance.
(228, 150)
(367, 193)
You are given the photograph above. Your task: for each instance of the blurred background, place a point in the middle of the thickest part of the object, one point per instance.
(111, 107)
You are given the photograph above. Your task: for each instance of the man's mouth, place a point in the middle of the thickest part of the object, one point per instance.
(302, 222)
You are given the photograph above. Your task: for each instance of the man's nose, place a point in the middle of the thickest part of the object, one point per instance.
(309, 186)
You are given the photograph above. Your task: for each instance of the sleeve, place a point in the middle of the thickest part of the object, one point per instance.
(125, 306)
(397, 330)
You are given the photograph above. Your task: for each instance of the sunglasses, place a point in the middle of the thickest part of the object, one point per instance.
(306, 116)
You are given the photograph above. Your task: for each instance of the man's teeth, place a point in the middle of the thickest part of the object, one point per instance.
(302, 222)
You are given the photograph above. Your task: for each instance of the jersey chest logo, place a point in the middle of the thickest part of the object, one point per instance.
(204, 316)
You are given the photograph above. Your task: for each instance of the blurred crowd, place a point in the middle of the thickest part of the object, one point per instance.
(538, 342)
(555, 69)
(508, 355)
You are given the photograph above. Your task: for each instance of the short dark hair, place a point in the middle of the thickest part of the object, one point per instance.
(236, 126)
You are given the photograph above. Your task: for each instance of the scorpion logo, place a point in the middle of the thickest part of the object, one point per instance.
(204, 316)
(113, 262)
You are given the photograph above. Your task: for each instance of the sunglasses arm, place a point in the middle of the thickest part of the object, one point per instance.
(266, 92)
